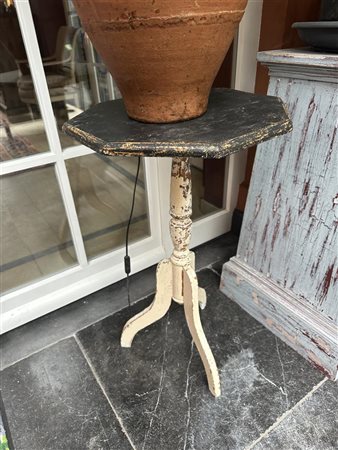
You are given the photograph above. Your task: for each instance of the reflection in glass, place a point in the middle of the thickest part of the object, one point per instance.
(35, 238)
(75, 74)
(102, 189)
(208, 179)
(21, 128)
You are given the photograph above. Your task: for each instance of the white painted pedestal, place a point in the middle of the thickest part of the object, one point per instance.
(176, 278)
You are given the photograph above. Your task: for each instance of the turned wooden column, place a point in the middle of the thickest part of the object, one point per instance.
(180, 226)
(180, 210)
(180, 222)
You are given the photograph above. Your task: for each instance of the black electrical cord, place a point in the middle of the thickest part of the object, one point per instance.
(127, 265)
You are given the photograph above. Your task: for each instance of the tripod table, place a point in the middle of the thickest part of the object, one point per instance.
(234, 121)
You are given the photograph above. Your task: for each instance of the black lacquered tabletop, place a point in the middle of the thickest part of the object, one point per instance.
(234, 121)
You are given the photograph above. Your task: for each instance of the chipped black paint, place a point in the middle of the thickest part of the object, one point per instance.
(234, 121)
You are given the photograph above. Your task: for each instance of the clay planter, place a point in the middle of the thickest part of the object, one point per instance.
(163, 54)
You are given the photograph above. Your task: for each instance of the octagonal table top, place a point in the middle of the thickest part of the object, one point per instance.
(234, 121)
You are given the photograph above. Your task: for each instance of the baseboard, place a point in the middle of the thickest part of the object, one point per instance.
(236, 223)
(288, 317)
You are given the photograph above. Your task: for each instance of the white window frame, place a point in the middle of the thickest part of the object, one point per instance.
(47, 294)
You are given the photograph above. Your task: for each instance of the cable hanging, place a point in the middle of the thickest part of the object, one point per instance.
(127, 264)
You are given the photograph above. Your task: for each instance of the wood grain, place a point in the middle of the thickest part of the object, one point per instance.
(289, 240)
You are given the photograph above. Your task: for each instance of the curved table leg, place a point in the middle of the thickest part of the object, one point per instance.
(191, 310)
(156, 310)
(202, 296)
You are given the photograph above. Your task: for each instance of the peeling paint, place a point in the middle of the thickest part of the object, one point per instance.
(255, 298)
(324, 286)
(294, 238)
(238, 281)
(320, 343)
(317, 364)
(287, 222)
(305, 197)
(277, 200)
(223, 130)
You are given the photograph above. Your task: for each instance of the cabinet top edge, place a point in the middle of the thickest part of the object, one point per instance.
(300, 56)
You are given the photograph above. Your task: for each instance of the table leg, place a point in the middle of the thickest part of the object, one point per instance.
(156, 310)
(192, 315)
(176, 278)
(202, 295)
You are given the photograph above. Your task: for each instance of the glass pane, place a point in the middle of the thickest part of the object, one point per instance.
(35, 237)
(102, 189)
(21, 127)
(209, 175)
(208, 178)
(75, 74)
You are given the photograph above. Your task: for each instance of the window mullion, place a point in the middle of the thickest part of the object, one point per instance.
(41, 89)
(25, 163)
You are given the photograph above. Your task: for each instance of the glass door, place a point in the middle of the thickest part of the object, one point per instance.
(64, 208)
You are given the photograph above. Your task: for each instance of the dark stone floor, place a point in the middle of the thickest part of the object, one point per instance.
(67, 383)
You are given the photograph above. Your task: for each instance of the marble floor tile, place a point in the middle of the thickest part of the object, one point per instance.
(229, 253)
(312, 425)
(64, 322)
(158, 386)
(53, 402)
(216, 250)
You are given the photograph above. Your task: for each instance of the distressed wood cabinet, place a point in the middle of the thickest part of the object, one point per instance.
(285, 273)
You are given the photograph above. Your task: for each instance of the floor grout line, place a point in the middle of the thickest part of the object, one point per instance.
(212, 269)
(115, 312)
(72, 334)
(287, 413)
(64, 338)
(97, 379)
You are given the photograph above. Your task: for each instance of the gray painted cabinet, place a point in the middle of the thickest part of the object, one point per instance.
(286, 271)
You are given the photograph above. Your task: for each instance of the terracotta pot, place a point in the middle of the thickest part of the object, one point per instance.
(163, 54)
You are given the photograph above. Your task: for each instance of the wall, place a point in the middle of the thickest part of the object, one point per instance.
(276, 33)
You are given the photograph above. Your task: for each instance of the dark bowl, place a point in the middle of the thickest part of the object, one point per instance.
(320, 35)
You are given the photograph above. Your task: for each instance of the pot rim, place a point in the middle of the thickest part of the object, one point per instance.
(319, 24)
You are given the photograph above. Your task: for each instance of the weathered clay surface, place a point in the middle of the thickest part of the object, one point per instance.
(163, 55)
